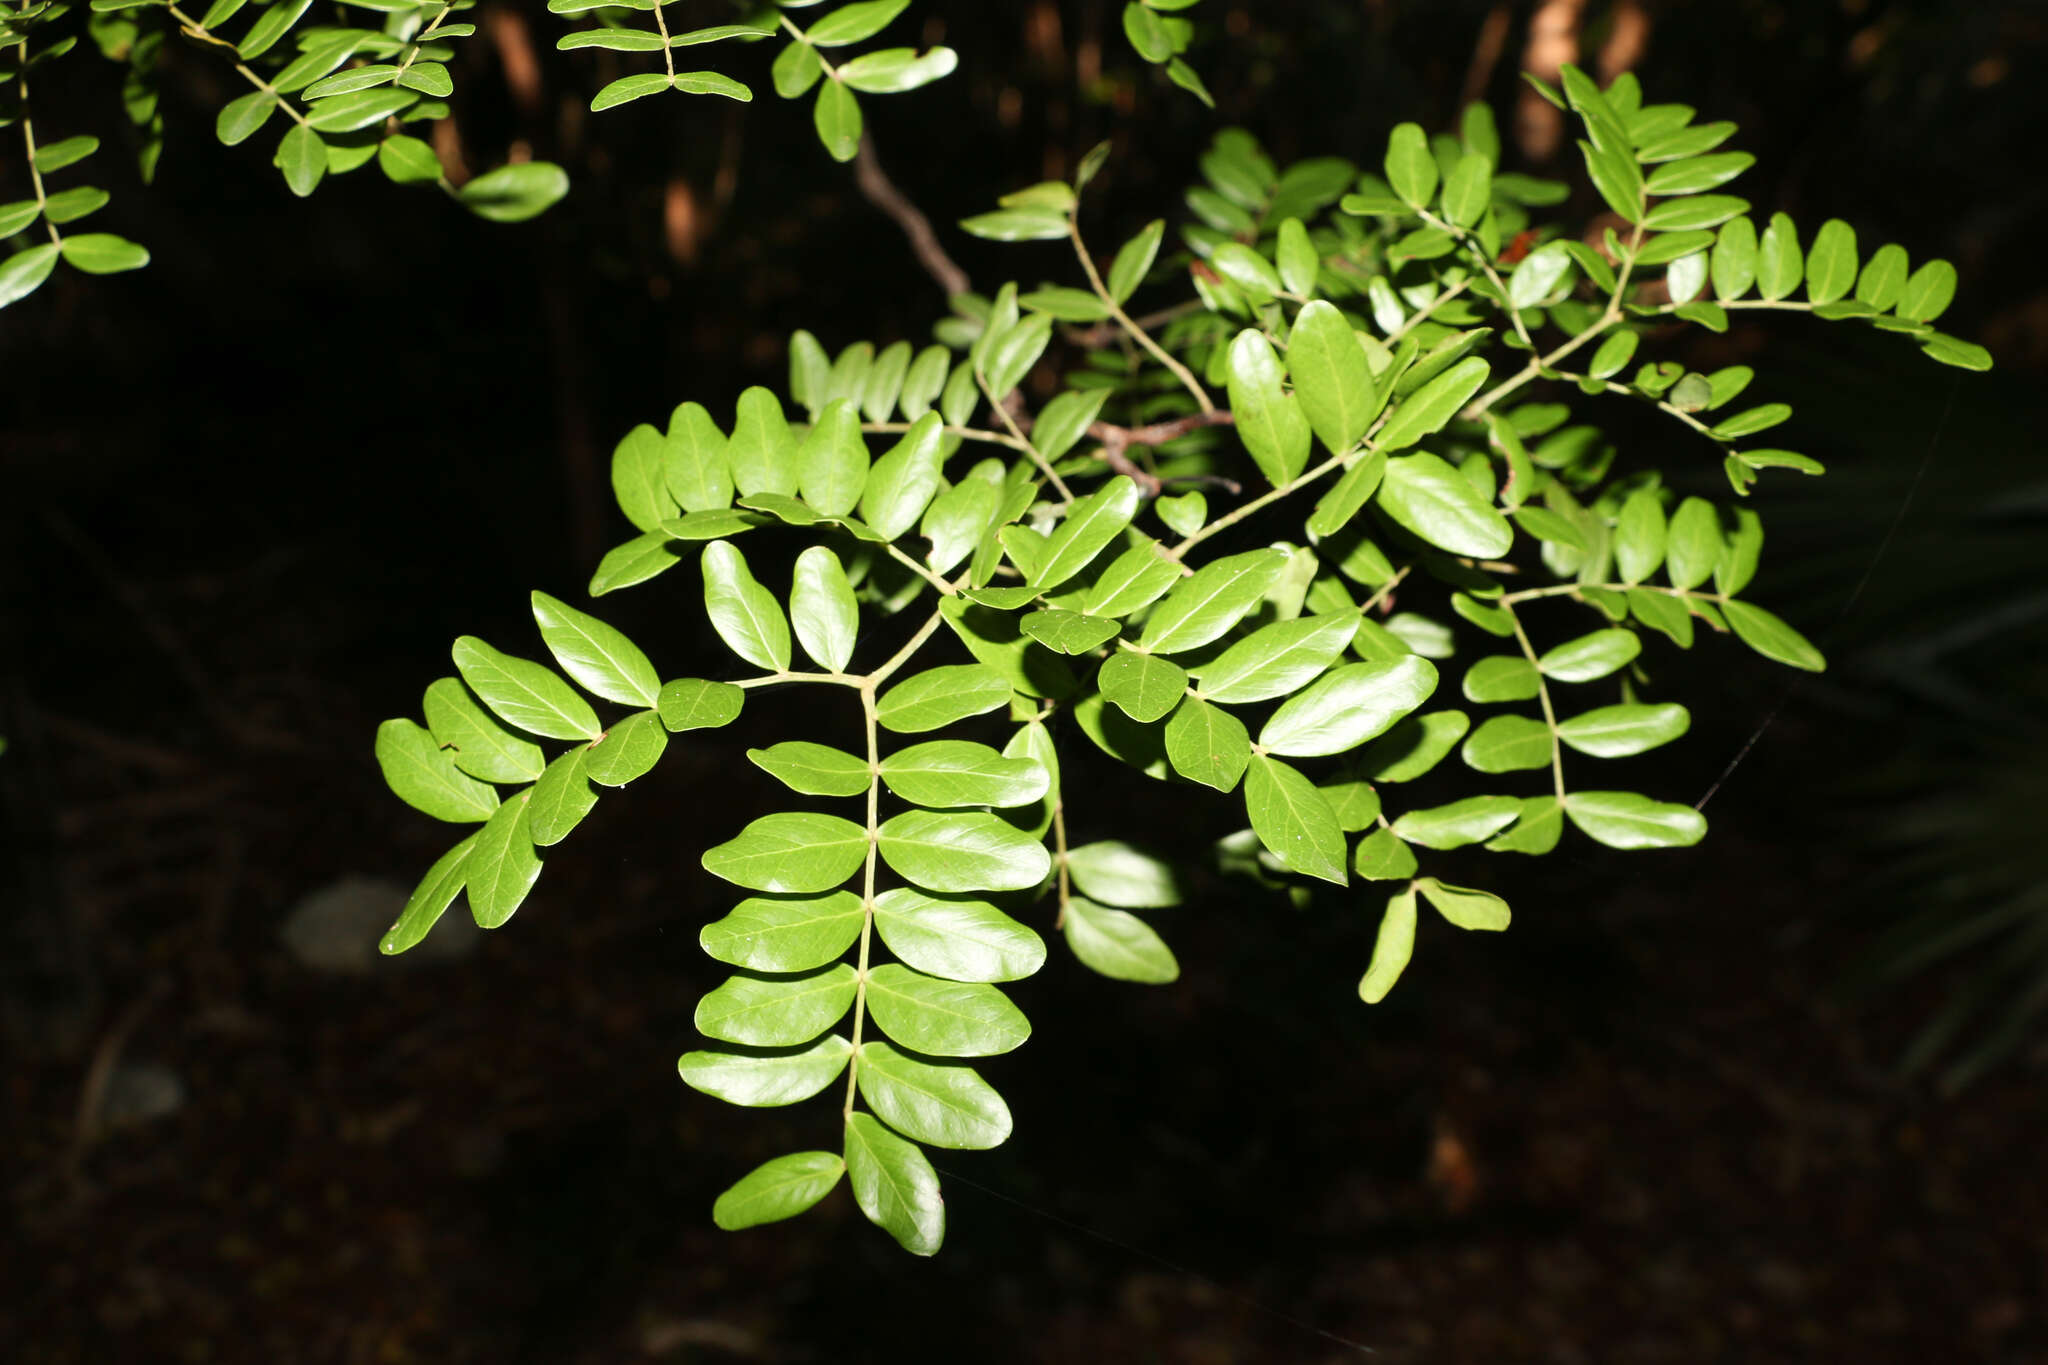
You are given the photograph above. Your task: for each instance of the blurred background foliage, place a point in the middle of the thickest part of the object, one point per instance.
(254, 489)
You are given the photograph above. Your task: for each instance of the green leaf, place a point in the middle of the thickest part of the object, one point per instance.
(938, 697)
(1502, 677)
(525, 694)
(1392, 948)
(796, 69)
(785, 935)
(1591, 656)
(1293, 819)
(1134, 579)
(1348, 706)
(1883, 278)
(1276, 660)
(1184, 514)
(813, 769)
(793, 853)
(429, 900)
(1246, 268)
(1207, 744)
(903, 481)
(1269, 421)
(1332, 379)
(639, 559)
(1062, 422)
(1539, 275)
(502, 865)
(1639, 535)
(944, 1018)
(1111, 872)
(404, 160)
(477, 744)
(837, 118)
(823, 609)
(832, 464)
(1089, 527)
(561, 798)
(354, 112)
(1506, 744)
(1205, 606)
(949, 851)
(1628, 820)
(24, 271)
(764, 1080)
(854, 23)
(628, 751)
(640, 478)
(941, 1105)
(960, 940)
(1618, 731)
(778, 1189)
(595, 654)
(513, 194)
(762, 450)
(745, 615)
(302, 156)
(894, 1185)
(1069, 632)
(951, 772)
(1348, 496)
(1779, 262)
(1468, 189)
(1831, 263)
(354, 79)
(699, 704)
(240, 118)
(1018, 225)
(1429, 408)
(1928, 292)
(1382, 857)
(1429, 497)
(1117, 944)
(1770, 636)
(693, 461)
(270, 25)
(1461, 822)
(1297, 257)
(1412, 747)
(1145, 686)
(1133, 260)
(777, 1011)
(626, 89)
(1411, 169)
(1733, 264)
(1464, 907)
(1693, 543)
(897, 69)
(1537, 829)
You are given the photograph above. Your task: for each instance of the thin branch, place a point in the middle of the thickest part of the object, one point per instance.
(1117, 440)
(881, 191)
(1123, 320)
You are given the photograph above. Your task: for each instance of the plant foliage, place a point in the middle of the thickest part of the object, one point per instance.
(1381, 378)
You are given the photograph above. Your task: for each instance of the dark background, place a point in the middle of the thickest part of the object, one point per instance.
(255, 489)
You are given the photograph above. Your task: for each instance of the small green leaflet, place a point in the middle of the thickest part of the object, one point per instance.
(1117, 944)
(1430, 408)
(1202, 608)
(699, 704)
(894, 1185)
(944, 1018)
(1114, 873)
(796, 853)
(949, 851)
(744, 614)
(823, 609)
(502, 866)
(1144, 686)
(1348, 706)
(778, 1189)
(1392, 948)
(1207, 744)
(952, 772)
(561, 798)
(1591, 656)
(1631, 820)
(596, 655)
(424, 775)
(435, 892)
(1069, 632)
(961, 940)
(1135, 578)
(1618, 731)
(1506, 744)
(1383, 857)
(1429, 497)
(1535, 831)
(523, 693)
(1294, 820)
(1464, 907)
(762, 1079)
(777, 1011)
(628, 750)
(938, 697)
(832, 463)
(1269, 420)
(1413, 746)
(1276, 660)
(1770, 636)
(814, 769)
(1469, 821)
(776, 935)
(945, 1106)
(1502, 677)
(903, 481)
(1090, 526)
(476, 743)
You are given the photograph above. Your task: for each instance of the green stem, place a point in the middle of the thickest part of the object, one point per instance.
(945, 588)
(1538, 364)
(28, 138)
(1044, 465)
(1265, 499)
(867, 893)
(774, 679)
(1059, 843)
(964, 433)
(668, 60)
(1123, 319)
(1542, 696)
(1419, 318)
(193, 29)
(1472, 244)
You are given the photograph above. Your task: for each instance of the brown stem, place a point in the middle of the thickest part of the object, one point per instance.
(881, 191)
(1117, 440)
